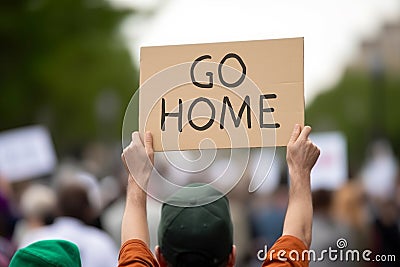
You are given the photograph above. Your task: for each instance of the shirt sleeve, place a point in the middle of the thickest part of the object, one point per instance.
(287, 251)
(135, 253)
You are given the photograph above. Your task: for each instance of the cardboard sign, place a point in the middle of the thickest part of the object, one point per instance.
(26, 153)
(222, 95)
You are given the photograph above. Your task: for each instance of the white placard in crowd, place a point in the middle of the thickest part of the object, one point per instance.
(26, 153)
(331, 169)
(264, 170)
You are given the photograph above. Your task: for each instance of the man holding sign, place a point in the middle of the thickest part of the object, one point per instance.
(220, 92)
(188, 239)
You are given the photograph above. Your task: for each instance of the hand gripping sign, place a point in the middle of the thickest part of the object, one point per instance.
(222, 95)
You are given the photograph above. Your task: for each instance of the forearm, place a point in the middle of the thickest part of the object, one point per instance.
(301, 156)
(134, 221)
(298, 220)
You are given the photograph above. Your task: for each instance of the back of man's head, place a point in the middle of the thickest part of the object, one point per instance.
(73, 201)
(196, 228)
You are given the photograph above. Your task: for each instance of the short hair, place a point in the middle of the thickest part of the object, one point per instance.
(73, 201)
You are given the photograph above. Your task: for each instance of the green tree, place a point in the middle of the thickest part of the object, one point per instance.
(363, 108)
(60, 58)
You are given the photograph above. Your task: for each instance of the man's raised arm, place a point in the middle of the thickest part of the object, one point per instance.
(301, 157)
(138, 158)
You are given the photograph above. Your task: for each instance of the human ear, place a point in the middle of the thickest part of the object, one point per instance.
(160, 258)
(232, 257)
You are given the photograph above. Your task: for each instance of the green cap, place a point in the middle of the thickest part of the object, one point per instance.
(58, 253)
(192, 231)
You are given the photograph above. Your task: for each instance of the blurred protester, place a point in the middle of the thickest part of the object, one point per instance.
(7, 223)
(379, 180)
(326, 230)
(73, 175)
(111, 219)
(96, 248)
(386, 233)
(5, 188)
(38, 207)
(350, 209)
(267, 216)
(111, 216)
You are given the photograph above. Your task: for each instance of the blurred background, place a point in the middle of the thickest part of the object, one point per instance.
(69, 68)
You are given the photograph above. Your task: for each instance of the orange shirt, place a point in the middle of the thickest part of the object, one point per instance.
(287, 251)
(135, 253)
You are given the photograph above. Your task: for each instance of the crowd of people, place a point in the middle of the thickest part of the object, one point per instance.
(81, 204)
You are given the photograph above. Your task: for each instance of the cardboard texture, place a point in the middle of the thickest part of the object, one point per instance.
(222, 95)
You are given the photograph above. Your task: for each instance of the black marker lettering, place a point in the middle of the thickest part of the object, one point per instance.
(178, 115)
(262, 110)
(210, 122)
(242, 77)
(208, 73)
(246, 103)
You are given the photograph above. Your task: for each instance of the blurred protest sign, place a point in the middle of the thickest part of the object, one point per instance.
(222, 95)
(264, 180)
(26, 153)
(380, 170)
(331, 170)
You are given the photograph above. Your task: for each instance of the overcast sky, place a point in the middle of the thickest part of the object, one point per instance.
(333, 29)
